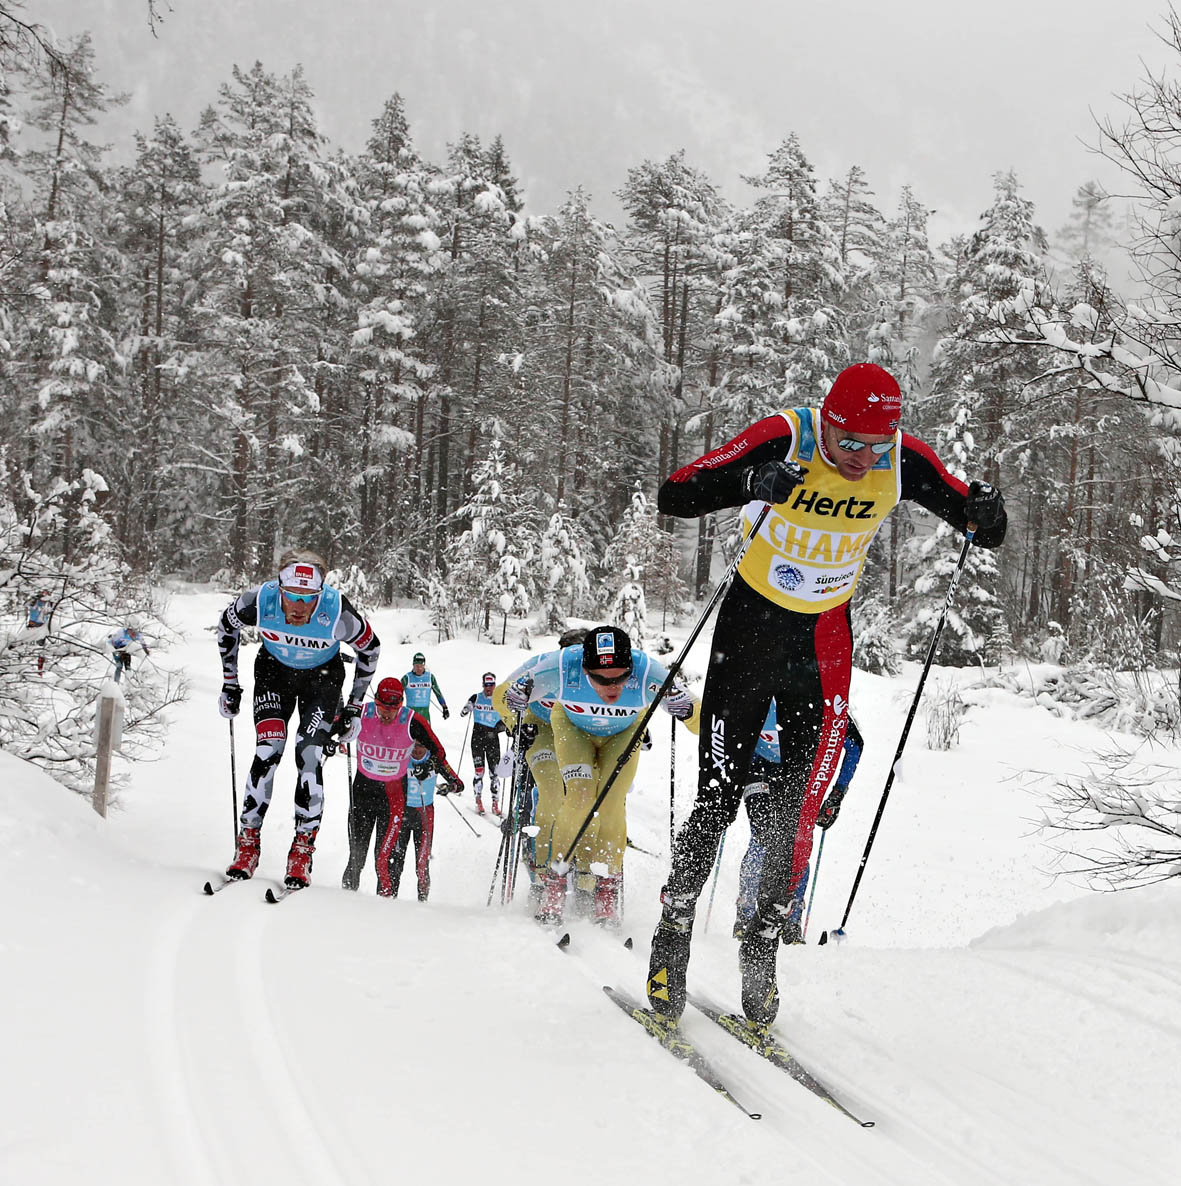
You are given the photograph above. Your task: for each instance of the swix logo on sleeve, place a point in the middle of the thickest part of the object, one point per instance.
(271, 729)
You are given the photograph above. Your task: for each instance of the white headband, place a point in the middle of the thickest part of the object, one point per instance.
(301, 576)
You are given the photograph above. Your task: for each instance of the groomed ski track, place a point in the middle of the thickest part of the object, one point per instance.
(157, 1035)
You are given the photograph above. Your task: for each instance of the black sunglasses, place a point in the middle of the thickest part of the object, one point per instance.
(852, 446)
(609, 679)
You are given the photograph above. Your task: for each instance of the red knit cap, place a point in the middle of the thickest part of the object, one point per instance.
(389, 693)
(864, 398)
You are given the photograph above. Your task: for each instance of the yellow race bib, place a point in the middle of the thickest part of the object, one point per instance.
(810, 550)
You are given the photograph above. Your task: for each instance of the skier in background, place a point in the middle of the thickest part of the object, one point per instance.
(419, 824)
(773, 808)
(486, 728)
(302, 621)
(390, 732)
(120, 642)
(38, 622)
(831, 476)
(593, 694)
(420, 684)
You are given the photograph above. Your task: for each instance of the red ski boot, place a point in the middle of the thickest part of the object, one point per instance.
(553, 897)
(605, 908)
(245, 855)
(299, 859)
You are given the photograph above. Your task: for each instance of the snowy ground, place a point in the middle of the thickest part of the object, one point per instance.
(1000, 1026)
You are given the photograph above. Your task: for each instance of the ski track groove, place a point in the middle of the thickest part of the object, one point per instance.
(1012, 963)
(1031, 1113)
(193, 1158)
(310, 1157)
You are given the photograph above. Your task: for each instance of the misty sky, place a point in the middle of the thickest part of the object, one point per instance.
(933, 93)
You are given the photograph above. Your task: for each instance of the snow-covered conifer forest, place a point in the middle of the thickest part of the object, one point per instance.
(248, 337)
(228, 339)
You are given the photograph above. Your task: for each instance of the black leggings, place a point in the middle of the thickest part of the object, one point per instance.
(369, 812)
(761, 652)
(278, 691)
(485, 753)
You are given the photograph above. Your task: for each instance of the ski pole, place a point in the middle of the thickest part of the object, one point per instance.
(815, 879)
(673, 671)
(234, 779)
(714, 889)
(523, 794)
(459, 813)
(514, 818)
(504, 843)
(969, 534)
(463, 747)
(672, 781)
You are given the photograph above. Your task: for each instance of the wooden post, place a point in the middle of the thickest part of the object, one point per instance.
(108, 735)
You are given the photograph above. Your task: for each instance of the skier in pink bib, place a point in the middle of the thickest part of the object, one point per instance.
(389, 731)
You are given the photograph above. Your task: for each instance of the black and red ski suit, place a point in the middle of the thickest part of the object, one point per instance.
(762, 650)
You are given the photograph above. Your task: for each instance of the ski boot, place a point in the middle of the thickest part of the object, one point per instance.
(756, 961)
(669, 961)
(553, 897)
(299, 859)
(479, 804)
(245, 855)
(605, 907)
(495, 795)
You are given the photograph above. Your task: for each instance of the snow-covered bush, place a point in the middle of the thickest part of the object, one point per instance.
(944, 709)
(1136, 807)
(50, 676)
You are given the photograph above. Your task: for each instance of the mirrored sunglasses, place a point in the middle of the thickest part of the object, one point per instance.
(852, 446)
(609, 679)
(291, 595)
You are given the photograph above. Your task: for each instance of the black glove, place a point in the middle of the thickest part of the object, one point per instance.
(984, 506)
(229, 703)
(330, 747)
(348, 724)
(446, 712)
(528, 736)
(773, 481)
(831, 808)
(646, 741)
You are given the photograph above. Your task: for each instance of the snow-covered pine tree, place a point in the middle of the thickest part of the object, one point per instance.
(563, 578)
(264, 261)
(642, 557)
(64, 333)
(673, 211)
(811, 274)
(491, 558)
(859, 228)
(396, 259)
(159, 477)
